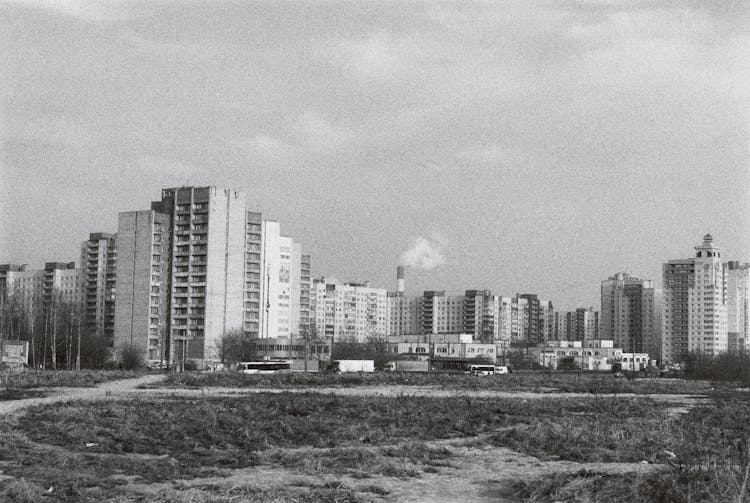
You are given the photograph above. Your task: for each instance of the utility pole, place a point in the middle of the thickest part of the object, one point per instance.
(78, 351)
(2, 329)
(54, 338)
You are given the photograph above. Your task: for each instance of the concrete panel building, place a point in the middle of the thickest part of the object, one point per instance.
(352, 312)
(629, 316)
(142, 275)
(738, 305)
(98, 285)
(695, 304)
(579, 325)
(194, 275)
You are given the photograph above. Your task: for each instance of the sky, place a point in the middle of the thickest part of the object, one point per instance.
(530, 147)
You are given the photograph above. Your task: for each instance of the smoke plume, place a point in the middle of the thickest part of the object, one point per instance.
(424, 254)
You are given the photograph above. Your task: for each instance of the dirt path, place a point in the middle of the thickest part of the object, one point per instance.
(102, 391)
(128, 388)
(423, 391)
(481, 474)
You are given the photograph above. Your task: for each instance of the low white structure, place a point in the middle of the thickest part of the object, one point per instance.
(595, 354)
(634, 361)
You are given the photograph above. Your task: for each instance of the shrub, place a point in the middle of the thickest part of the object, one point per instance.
(130, 357)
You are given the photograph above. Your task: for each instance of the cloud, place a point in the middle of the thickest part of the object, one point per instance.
(83, 10)
(493, 154)
(425, 253)
(321, 134)
(374, 57)
(267, 148)
(47, 130)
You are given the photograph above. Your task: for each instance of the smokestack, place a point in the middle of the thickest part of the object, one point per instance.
(400, 279)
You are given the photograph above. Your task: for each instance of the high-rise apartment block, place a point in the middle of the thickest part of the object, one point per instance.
(198, 265)
(738, 305)
(98, 270)
(40, 288)
(629, 315)
(285, 289)
(142, 279)
(579, 325)
(525, 319)
(695, 307)
(353, 312)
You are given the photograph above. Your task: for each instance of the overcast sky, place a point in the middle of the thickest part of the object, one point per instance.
(523, 147)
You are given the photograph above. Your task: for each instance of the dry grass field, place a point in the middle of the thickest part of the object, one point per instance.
(313, 445)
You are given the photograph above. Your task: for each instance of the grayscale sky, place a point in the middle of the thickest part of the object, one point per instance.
(522, 146)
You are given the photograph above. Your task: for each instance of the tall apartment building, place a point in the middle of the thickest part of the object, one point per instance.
(524, 319)
(143, 282)
(98, 269)
(738, 305)
(188, 272)
(39, 288)
(579, 325)
(695, 307)
(403, 314)
(629, 314)
(198, 265)
(352, 312)
(285, 293)
(481, 315)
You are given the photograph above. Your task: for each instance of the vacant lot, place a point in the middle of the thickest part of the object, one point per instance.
(537, 382)
(339, 441)
(322, 447)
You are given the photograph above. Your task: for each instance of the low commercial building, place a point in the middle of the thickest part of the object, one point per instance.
(595, 355)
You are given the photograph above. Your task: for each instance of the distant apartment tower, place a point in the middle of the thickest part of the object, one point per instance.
(98, 275)
(695, 307)
(629, 316)
(285, 288)
(352, 312)
(524, 319)
(40, 288)
(579, 325)
(738, 305)
(194, 274)
(480, 315)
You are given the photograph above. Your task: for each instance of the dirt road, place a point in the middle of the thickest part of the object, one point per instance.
(102, 391)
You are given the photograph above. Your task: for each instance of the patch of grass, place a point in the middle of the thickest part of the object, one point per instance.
(19, 394)
(718, 482)
(25, 379)
(541, 382)
(20, 491)
(403, 461)
(331, 492)
(622, 431)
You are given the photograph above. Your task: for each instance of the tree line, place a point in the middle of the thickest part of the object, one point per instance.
(55, 330)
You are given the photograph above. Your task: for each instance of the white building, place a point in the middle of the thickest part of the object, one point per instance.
(695, 307)
(285, 288)
(348, 311)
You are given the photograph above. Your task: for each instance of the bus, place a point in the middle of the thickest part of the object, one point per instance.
(265, 367)
(481, 370)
